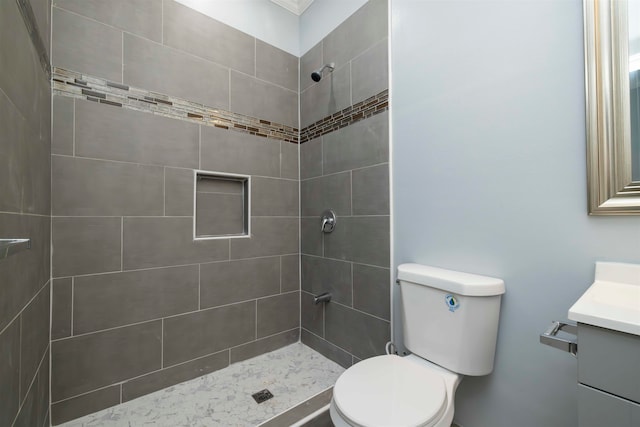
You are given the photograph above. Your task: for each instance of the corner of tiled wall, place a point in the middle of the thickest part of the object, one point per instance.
(25, 100)
(344, 164)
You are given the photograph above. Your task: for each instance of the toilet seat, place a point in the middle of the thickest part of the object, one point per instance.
(390, 391)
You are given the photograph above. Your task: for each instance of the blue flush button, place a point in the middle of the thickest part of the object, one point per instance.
(452, 302)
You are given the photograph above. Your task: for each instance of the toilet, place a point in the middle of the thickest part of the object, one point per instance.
(450, 326)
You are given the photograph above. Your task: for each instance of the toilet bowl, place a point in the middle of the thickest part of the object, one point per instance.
(450, 326)
(394, 391)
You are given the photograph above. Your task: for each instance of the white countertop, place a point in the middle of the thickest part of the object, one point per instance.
(613, 300)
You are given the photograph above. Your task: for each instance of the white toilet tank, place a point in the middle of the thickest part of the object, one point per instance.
(450, 318)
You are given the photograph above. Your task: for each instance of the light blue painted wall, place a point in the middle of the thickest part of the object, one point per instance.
(489, 177)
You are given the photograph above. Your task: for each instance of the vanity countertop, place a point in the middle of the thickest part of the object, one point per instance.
(613, 300)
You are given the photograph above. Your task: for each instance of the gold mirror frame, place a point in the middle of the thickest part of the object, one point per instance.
(606, 43)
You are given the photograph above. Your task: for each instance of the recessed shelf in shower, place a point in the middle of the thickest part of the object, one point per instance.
(221, 205)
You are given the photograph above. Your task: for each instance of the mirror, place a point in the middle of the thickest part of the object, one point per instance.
(612, 71)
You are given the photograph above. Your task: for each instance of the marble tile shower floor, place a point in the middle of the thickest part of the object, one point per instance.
(223, 398)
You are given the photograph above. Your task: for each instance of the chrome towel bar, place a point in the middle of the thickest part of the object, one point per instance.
(550, 338)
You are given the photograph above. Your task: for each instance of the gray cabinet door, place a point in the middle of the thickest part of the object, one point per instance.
(609, 361)
(598, 409)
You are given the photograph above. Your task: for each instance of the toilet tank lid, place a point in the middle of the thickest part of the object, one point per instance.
(452, 281)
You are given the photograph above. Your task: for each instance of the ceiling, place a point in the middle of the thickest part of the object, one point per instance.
(294, 6)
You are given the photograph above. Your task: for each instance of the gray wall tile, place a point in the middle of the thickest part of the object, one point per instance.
(312, 315)
(86, 46)
(371, 291)
(361, 30)
(37, 181)
(370, 72)
(327, 192)
(364, 143)
(76, 407)
(278, 313)
(276, 66)
(325, 348)
(229, 151)
(61, 306)
(112, 133)
(309, 62)
(24, 274)
(62, 131)
(159, 68)
(36, 403)
(289, 159)
(269, 236)
(274, 197)
(329, 95)
(13, 140)
(371, 190)
(311, 158)
(22, 78)
(234, 281)
(263, 100)
(261, 346)
(178, 192)
(10, 372)
(85, 187)
(193, 32)
(219, 214)
(143, 18)
(208, 331)
(174, 375)
(321, 275)
(85, 245)
(116, 299)
(42, 13)
(172, 240)
(360, 239)
(311, 241)
(362, 335)
(290, 273)
(87, 362)
(34, 337)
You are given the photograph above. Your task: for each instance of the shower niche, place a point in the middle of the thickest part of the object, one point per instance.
(222, 205)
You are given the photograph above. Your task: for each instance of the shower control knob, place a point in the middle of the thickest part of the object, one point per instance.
(328, 221)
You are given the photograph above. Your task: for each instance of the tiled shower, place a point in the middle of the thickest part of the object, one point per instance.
(144, 94)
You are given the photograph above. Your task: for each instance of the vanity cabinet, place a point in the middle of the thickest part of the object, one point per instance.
(609, 377)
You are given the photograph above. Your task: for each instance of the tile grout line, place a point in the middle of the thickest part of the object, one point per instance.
(174, 316)
(20, 363)
(31, 383)
(164, 191)
(73, 289)
(73, 149)
(170, 266)
(162, 344)
(13, 319)
(122, 243)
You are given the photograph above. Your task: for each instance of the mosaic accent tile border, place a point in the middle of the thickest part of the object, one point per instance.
(82, 86)
(362, 110)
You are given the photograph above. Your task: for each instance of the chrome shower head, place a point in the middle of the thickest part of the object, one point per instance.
(316, 76)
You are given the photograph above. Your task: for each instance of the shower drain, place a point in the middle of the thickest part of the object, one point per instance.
(262, 396)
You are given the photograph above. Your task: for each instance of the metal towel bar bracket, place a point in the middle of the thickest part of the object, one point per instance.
(10, 247)
(550, 338)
